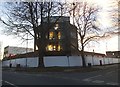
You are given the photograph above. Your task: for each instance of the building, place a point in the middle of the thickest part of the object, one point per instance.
(60, 38)
(12, 50)
(113, 54)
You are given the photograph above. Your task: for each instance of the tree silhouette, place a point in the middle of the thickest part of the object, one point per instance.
(84, 18)
(25, 17)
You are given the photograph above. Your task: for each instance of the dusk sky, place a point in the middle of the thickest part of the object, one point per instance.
(103, 45)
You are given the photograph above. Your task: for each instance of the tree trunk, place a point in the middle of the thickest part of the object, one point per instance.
(35, 43)
(83, 57)
(40, 43)
(40, 54)
(41, 58)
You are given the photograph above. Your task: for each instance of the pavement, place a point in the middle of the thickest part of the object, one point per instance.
(108, 75)
(66, 69)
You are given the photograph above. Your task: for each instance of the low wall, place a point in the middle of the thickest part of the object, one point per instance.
(56, 61)
(29, 62)
(61, 61)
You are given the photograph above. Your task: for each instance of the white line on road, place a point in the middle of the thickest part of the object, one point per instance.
(93, 77)
(112, 83)
(87, 80)
(110, 72)
(98, 81)
(90, 78)
(10, 83)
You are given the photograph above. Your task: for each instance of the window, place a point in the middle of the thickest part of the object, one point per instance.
(54, 35)
(56, 27)
(51, 34)
(51, 47)
(59, 35)
(54, 47)
(59, 47)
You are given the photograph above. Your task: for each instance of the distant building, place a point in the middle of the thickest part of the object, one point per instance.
(11, 51)
(113, 54)
(60, 38)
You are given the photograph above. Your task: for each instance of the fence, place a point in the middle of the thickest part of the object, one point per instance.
(61, 61)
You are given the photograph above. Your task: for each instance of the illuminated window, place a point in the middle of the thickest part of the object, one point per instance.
(51, 35)
(50, 48)
(59, 47)
(59, 35)
(56, 27)
(53, 47)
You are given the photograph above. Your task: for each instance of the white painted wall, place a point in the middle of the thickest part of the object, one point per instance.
(95, 60)
(116, 60)
(61, 61)
(6, 63)
(106, 61)
(13, 62)
(89, 59)
(56, 61)
(21, 61)
(32, 62)
(75, 61)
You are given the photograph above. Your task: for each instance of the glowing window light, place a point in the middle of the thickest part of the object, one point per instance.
(54, 47)
(59, 47)
(51, 35)
(50, 48)
(56, 27)
(59, 35)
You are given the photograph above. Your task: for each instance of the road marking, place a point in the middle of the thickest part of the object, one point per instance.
(98, 81)
(10, 83)
(110, 72)
(87, 80)
(92, 77)
(112, 83)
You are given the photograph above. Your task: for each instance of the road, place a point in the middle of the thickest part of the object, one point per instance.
(102, 77)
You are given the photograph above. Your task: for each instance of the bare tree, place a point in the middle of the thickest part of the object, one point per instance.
(114, 13)
(27, 18)
(84, 18)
